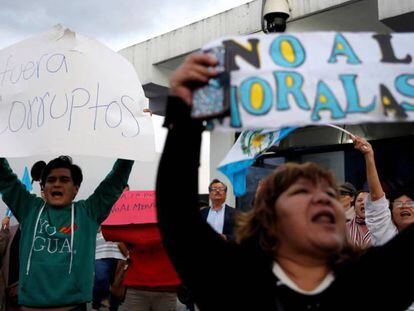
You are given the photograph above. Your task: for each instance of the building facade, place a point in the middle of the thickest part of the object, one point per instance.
(156, 58)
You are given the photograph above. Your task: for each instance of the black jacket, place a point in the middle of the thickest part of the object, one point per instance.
(229, 276)
(229, 218)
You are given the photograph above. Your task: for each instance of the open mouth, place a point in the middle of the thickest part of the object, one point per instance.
(405, 214)
(57, 194)
(324, 218)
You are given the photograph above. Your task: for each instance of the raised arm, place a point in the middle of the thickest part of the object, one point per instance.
(377, 214)
(14, 193)
(374, 183)
(99, 204)
(190, 242)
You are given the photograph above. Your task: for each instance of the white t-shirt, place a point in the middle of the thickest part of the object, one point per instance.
(379, 221)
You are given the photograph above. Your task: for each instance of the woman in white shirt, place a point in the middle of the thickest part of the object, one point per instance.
(382, 222)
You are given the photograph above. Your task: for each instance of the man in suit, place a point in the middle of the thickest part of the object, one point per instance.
(219, 215)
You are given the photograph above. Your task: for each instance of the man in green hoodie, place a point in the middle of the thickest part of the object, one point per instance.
(57, 245)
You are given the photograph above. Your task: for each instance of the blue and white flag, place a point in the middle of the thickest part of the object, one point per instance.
(26, 180)
(9, 213)
(250, 145)
(27, 183)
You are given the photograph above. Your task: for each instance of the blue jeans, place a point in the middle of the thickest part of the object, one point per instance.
(104, 275)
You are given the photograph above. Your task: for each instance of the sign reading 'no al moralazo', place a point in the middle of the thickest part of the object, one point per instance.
(315, 78)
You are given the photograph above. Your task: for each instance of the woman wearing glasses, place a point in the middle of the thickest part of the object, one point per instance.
(383, 223)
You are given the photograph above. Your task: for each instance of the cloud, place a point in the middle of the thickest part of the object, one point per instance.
(117, 23)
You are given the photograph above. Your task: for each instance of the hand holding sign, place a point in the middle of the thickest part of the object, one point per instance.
(191, 74)
(212, 100)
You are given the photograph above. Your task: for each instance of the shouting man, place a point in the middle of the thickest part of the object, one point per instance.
(57, 244)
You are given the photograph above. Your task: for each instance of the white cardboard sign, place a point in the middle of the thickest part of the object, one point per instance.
(61, 93)
(315, 78)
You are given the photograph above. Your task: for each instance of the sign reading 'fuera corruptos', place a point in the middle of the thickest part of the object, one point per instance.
(61, 93)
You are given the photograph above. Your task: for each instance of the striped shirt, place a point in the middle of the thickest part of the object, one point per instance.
(106, 249)
(357, 235)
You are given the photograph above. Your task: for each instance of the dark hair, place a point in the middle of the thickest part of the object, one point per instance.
(36, 170)
(357, 194)
(347, 189)
(62, 162)
(395, 194)
(259, 224)
(216, 181)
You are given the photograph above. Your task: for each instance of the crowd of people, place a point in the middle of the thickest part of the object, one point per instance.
(295, 249)
(306, 242)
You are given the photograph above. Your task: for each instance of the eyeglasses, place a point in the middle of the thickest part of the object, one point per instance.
(399, 204)
(219, 189)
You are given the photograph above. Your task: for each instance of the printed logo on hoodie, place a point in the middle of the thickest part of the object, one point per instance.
(68, 229)
(46, 239)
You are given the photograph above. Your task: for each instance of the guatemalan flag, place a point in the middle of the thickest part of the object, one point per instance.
(26, 182)
(249, 145)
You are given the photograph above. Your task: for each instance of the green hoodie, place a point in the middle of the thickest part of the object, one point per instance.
(51, 275)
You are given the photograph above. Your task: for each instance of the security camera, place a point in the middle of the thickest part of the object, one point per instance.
(274, 15)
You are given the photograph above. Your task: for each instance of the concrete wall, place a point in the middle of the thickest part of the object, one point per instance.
(397, 14)
(393, 8)
(155, 58)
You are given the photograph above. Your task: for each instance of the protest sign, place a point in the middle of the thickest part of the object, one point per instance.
(284, 80)
(61, 93)
(133, 207)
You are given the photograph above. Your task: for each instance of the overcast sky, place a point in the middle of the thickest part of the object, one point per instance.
(116, 23)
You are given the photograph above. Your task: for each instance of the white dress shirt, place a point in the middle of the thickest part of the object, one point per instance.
(216, 219)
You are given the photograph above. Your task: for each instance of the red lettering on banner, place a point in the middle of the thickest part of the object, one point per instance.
(133, 207)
